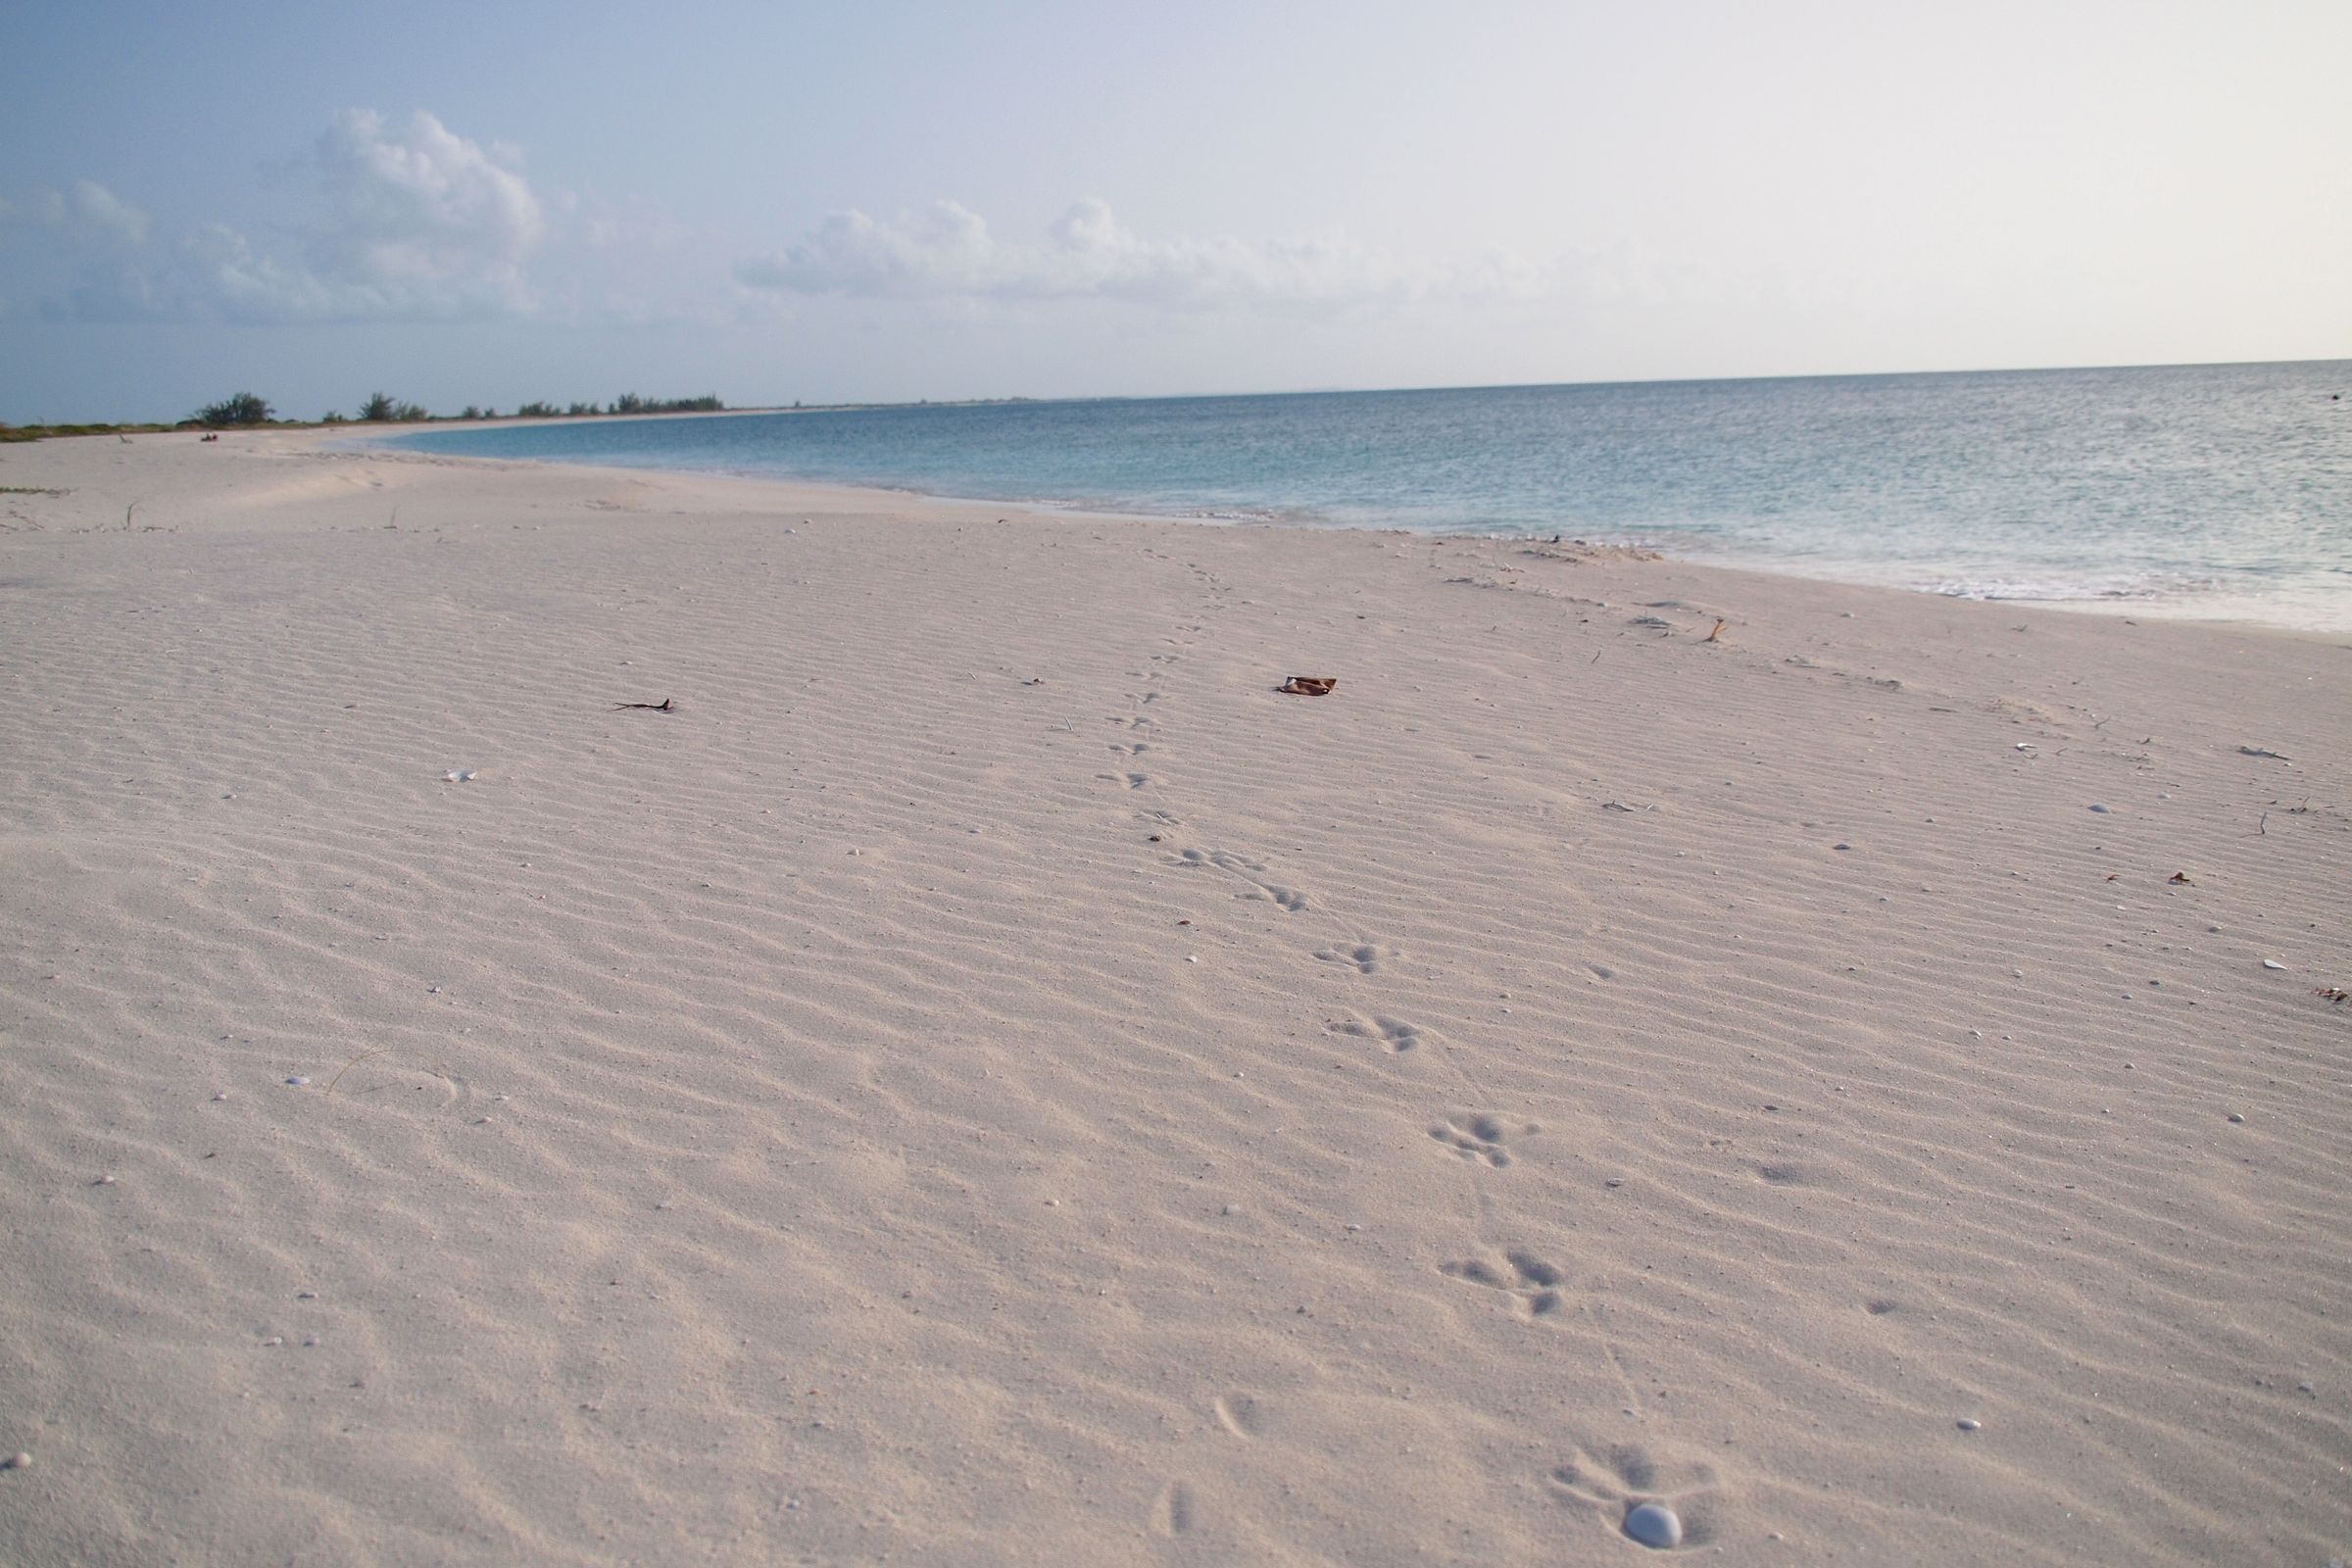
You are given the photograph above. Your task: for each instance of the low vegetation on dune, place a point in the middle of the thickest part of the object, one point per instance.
(250, 410)
(42, 433)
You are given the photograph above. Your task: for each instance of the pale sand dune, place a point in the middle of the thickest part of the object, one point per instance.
(1615, 1067)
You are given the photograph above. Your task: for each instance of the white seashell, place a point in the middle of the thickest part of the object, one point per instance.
(1654, 1524)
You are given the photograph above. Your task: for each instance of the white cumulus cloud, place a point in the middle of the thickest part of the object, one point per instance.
(418, 219)
(948, 251)
(100, 213)
(406, 221)
(87, 212)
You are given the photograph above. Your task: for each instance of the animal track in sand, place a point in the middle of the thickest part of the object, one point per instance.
(1363, 959)
(1394, 1033)
(1136, 750)
(1614, 1483)
(1479, 1136)
(1534, 1283)
(1289, 900)
(1174, 1513)
(375, 1079)
(1134, 781)
(1245, 1415)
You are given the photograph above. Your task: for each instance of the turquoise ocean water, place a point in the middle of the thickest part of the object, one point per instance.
(2212, 491)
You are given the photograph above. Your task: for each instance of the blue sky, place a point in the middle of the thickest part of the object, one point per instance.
(488, 203)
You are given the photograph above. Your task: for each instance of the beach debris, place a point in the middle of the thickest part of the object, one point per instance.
(298, 1081)
(2333, 993)
(2234, 1117)
(1658, 622)
(457, 775)
(668, 705)
(2101, 810)
(1968, 1424)
(1308, 686)
(1035, 681)
(17, 1461)
(1654, 1524)
(2181, 877)
(2256, 751)
(1716, 636)
(2272, 963)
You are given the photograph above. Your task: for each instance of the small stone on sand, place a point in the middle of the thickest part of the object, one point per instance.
(16, 1461)
(1654, 1524)
(1967, 1424)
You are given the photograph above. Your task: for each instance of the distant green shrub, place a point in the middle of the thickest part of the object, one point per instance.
(240, 408)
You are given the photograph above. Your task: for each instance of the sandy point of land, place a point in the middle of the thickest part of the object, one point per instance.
(986, 1079)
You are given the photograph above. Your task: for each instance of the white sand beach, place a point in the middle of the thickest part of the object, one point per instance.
(986, 1079)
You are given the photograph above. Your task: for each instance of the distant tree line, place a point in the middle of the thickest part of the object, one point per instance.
(627, 402)
(242, 410)
(247, 408)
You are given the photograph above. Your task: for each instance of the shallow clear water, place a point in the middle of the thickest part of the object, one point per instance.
(2222, 491)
